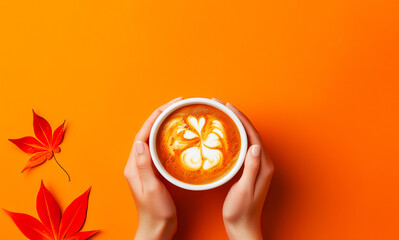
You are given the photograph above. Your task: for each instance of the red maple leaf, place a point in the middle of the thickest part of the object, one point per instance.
(44, 145)
(53, 225)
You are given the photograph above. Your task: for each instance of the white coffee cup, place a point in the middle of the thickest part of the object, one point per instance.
(191, 101)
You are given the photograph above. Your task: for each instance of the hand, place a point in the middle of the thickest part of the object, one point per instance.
(155, 207)
(243, 205)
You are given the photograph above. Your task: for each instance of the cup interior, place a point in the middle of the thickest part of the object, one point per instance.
(191, 101)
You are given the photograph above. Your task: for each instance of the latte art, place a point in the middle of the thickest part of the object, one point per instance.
(201, 142)
(198, 144)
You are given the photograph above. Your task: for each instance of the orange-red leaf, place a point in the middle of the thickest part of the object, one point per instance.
(44, 146)
(74, 215)
(49, 211)
(58, 136)
(55, 226)
(82, 235)
(29, 226)
(42, 130)
(38, 159)
(29, 144)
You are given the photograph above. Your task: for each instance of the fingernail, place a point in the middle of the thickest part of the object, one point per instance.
(217, 100)
(178, 98)
(139, 147)
(255, 150)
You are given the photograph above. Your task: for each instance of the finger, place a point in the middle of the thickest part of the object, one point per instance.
(251, 167)
(264, 178)
(163, 107)
(266, 168)
(220, 101)
(144, 132)
(132, 174)
(144, 165)
(253, 134)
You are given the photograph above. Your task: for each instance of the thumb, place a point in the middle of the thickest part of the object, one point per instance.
(251, 166)
(144, 165)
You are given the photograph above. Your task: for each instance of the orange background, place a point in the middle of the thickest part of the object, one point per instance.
(319, 79)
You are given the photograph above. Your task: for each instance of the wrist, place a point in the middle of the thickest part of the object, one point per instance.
(243, 230)
(160, 229)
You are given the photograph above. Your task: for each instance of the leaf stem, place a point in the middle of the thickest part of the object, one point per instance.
(69, 178)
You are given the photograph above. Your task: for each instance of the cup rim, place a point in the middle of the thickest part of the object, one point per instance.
(191, 101)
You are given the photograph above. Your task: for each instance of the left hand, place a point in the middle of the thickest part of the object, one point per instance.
(155, 206)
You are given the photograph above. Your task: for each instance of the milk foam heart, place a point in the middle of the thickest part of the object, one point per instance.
(200, 141)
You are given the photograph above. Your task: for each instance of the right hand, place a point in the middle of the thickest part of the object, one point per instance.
(243, 205)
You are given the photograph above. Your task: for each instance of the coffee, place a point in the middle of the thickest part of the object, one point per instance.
(198, 144)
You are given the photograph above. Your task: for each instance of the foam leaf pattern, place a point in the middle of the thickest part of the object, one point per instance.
(200, 142)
